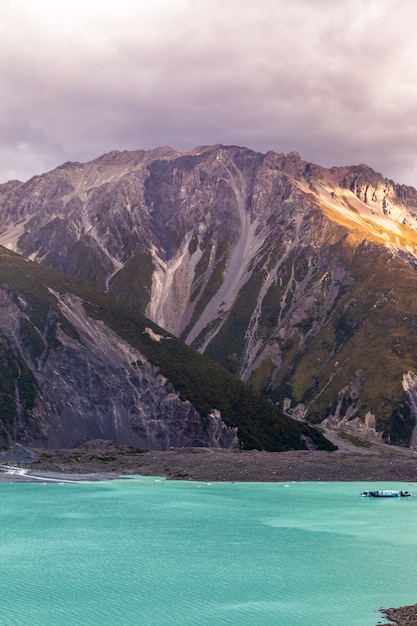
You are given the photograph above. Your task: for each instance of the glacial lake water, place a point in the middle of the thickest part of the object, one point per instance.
(145, 551)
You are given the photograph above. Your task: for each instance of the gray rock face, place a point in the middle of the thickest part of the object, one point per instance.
(95, 386)
(18, 454)
(274, 267)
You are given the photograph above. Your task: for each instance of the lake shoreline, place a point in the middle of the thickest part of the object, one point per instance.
(104, 460)
(100, 458)
(108, 459)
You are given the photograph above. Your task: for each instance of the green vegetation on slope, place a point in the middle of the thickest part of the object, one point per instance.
(228, 346)
(133, 282)
(208, 386)
(369, 336)
(196, 378)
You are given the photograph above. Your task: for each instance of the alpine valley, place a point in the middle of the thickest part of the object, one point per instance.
(296, 279)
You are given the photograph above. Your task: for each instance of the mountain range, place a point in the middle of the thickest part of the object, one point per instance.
(297, 279)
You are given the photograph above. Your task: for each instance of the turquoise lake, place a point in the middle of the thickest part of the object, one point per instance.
(144, 551)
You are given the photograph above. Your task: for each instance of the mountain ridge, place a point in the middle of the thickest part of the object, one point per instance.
(276, 268)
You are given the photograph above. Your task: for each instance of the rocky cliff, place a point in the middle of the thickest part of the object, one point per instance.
(77, 366)
(296, 278)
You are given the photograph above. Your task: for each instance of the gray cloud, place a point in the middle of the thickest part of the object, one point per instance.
(333, 80)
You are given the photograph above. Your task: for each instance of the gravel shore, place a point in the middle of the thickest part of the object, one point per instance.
(377, 463)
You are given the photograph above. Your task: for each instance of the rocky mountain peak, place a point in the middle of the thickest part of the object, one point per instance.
(291, 275)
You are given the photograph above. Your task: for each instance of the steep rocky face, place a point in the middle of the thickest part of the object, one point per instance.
(69, 388)
(294, 277)
(77, 365)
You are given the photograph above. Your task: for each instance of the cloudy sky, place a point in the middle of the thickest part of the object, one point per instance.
(335, 80)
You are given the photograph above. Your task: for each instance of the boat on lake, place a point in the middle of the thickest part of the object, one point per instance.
(386, 493)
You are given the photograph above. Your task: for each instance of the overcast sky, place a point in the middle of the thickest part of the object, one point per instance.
(335, 80)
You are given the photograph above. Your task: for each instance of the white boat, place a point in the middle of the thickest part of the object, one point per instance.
(386, 493)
